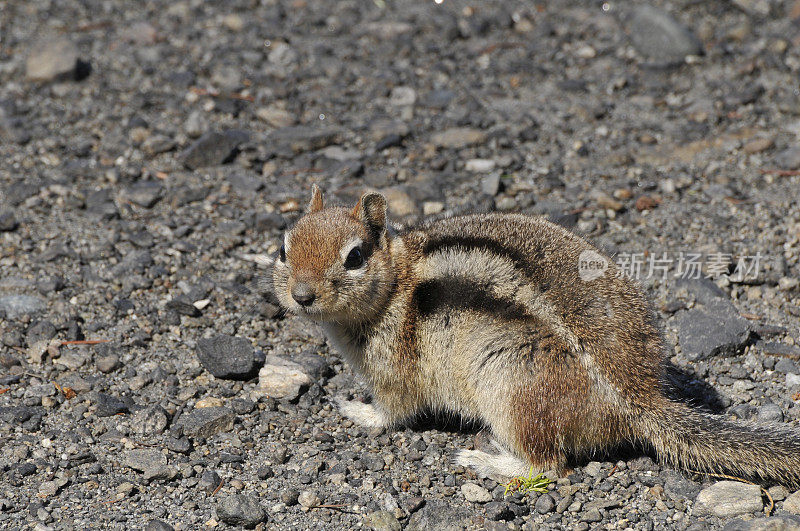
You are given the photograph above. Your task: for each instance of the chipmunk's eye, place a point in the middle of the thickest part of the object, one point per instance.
(282, 253)
(355, 258)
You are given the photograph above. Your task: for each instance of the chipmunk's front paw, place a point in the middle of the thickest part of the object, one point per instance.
(485, 464)
(362, 414)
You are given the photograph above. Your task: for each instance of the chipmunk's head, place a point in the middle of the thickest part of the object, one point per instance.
(334, 264)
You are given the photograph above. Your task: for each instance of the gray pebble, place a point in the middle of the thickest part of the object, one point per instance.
(786, 366)
(213, 148)
(788, 159)
(727, 499)
(14, 306)
(382, 521)
(545, 504)
(107, 363)
(149, 421)
(143, 459)
(770, 413)
(207, 421)
(145, 194)
(658, 36)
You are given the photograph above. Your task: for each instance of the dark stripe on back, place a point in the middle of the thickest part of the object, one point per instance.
(470, 243)
(442, 295)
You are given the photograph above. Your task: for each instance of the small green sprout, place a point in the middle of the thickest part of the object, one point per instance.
(524, 485)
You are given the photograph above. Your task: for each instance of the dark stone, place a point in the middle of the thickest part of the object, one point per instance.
(19, 414)
(313, 364)
(181, 445)
(7, 221)
(711, 331)
(677, 487)
(498, 511)
(242, 406)
(227, 357)
(108, 405)
(49, 285)
(209, 481)
(41, 331)
(20, 191)
(289, 497)
(213, 148)
(388, 141)
(240, 510)
(123, 306)
(268, 221)
(183, 305)
(158, 525)
(26, 469)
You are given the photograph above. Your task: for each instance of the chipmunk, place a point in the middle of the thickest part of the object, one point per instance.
(486, 316)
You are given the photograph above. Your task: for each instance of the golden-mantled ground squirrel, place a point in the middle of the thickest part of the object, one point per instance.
(487, 316)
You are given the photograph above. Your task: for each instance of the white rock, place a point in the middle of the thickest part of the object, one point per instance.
(458, 137)
(792, 380)
(339, 153)
(586, 52)
(281, 378)
(727, 499)
(430, 208)
(308, 499)
(792, 503)
(480, 165)
(403, 96)
(275, 116)
(475, 493)
(50, 59)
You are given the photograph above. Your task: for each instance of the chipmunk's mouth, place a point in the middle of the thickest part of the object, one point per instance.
(312, 312)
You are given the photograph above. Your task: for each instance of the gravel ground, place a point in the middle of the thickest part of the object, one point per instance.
(153, 152)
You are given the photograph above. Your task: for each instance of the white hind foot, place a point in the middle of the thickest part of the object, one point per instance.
(485, 464)
(365, 415)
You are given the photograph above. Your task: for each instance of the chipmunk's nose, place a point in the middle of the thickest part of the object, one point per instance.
(303, 294)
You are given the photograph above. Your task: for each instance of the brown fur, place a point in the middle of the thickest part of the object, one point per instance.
(486, 317)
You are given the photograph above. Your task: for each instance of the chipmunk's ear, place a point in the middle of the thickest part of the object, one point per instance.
(371, 211)
(315, 205)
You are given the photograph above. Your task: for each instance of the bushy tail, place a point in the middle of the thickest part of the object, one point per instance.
(693, 440)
